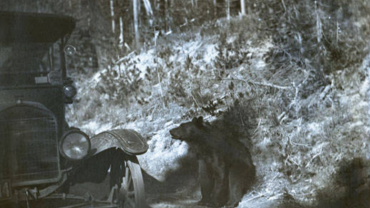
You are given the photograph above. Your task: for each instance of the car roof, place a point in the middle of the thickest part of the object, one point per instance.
(33, 27)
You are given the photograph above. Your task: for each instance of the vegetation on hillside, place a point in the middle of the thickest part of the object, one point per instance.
(292, 74)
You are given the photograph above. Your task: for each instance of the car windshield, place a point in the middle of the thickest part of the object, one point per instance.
(19, 58)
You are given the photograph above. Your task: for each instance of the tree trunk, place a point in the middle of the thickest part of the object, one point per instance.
(165, 14)
(121, 37)
(136, 23)
(215, 8)
(162, 14)
(112, 15)
(139, 12)
(149, 11)
(228, 9)
(242, 6)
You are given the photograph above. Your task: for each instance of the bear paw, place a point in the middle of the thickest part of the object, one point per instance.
(206, 203)
(231, 204)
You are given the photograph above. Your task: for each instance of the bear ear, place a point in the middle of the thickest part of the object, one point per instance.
(200, 119)
(195, 120)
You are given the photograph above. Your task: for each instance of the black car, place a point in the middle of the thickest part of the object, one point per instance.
(42, 159)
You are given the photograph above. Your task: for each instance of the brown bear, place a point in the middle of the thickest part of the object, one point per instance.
(226, 169)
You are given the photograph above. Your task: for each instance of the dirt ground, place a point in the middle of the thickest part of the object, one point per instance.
(179, 190)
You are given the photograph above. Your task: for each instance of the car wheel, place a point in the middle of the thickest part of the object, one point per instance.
(132, 192)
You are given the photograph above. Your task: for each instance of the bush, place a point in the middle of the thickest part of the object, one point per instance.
(320, 33)
(349, 186)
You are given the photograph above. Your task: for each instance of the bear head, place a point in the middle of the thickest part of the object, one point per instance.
(188, 131)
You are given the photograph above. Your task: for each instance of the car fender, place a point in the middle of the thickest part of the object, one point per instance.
(127, 140)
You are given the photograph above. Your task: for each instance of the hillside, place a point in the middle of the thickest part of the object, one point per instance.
(303, 120)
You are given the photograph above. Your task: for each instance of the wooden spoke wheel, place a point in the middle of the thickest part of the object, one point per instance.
(132, 192)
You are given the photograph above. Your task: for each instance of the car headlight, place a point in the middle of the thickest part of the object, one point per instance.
(69, 91)
(75, 145)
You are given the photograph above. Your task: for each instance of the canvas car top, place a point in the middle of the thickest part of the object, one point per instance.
(18, 27)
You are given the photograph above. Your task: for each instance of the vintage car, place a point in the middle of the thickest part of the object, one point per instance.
(43, 161)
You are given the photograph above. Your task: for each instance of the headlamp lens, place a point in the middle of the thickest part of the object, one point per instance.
(75, 145)
(69, 91)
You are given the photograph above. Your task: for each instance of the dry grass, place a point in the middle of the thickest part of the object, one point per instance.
(307, 117)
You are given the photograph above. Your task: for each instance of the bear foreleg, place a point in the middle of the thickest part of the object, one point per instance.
(218, 195)
(206, 182)
(237, 181)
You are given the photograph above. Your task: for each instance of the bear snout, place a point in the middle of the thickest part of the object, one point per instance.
(174, 135)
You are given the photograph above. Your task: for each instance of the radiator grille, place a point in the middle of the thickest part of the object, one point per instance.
(28, 145)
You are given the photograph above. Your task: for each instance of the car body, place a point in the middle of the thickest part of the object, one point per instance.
(42, 159)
